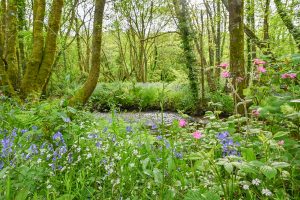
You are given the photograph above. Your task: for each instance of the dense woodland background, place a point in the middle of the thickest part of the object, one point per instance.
(53, 48)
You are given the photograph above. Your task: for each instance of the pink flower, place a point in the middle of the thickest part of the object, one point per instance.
(259, 62)
(223, 65)
(225, 74)
(197, 135)
(255, 113)
(262, 69)
(291, 76)
(280, 143)
(182, 123)
(284, 76)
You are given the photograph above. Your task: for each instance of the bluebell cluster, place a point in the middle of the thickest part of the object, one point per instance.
(229, 147)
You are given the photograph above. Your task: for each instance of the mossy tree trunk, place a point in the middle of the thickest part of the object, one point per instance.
(293, 29)
(43, 52)
(83, 94)
(237, 60)
(11, 43)
(187, 46)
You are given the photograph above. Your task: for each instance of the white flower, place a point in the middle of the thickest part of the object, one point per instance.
(39, 160)
(154, 192)
(89, 155)
(135, 152)
(256, 182)
(131, 165)
(246, 187)
(78, 149)
(266, 192)
(49, 186)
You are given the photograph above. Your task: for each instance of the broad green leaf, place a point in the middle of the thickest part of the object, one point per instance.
(280, 165)
(228, 167)
(158, 177)
(248, 154)
(268, 171)
(280, 134)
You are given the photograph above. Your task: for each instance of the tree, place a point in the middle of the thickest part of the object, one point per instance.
(83, 94)
(237, 60)
(293, 29)
(181, 12)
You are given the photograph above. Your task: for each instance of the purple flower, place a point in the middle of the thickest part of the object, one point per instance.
(6, 146)
(33, 149)
(159, 137)
(1, 164)
(128, 129)
(178, 155)
(98, 145)
(57, 136)
(70, 158)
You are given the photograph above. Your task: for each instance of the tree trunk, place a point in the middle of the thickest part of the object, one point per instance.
(11, 44)
(236, 30)
(294, 30)
(186, 37)
(40, 66)
(83, 94)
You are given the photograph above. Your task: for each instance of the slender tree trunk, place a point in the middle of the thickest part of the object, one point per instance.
(83, 94)
(218, 42)
(186, 37)
(293, 29)
(202, 62)
(22, 25)
(236, 30)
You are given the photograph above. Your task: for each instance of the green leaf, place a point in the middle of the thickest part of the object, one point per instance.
(268, 171)
(158, 177)
(280, 134)
(228, 167)
(171, 164)
(22, 194)
(280, 165)
(248, 154)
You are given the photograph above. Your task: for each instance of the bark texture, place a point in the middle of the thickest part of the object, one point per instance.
(83, 94)
(237, 60)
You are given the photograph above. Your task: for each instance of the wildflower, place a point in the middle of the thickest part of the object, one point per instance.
(159, 137)
(1, 164)
(223, 65)
(289, 76)
(280, 143)
(259, 62)
(135, 152)
(128, 129)
(7, 146)
(131, 165)
(67, 119)
(225, 74)
(197, 135)
(39, 161)
(223, 135)
(49, 186)
(98, 145)
(182, 123)
(154, 126)
(293, 75)
(246, 187)
(92, 136)
(266, 192)
(256, 182)
(261, 69)
(89, 155)
(57, 136)
(178, 155)
(33, 149)
(255, 113)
